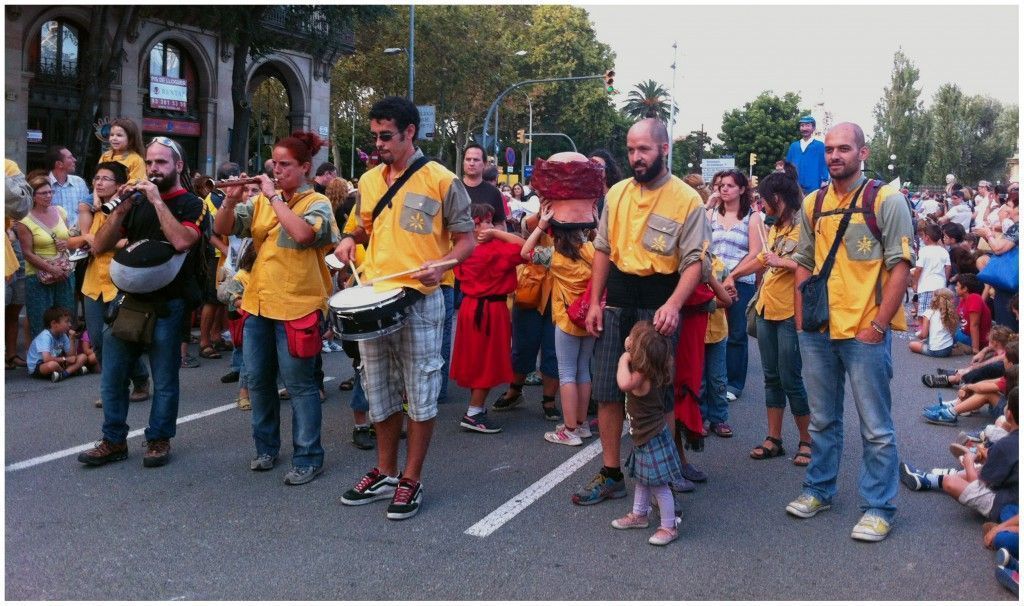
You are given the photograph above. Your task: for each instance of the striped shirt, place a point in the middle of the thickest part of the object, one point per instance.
(68, 195)
(731, 245)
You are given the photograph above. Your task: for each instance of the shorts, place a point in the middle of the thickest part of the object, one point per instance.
(14, 293)
(406, 366)
(610, 346)
(936, 353)
(924, 301)
(978, 497)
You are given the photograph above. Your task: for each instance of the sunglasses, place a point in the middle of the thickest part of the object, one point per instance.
(167, 142)
(384, 136)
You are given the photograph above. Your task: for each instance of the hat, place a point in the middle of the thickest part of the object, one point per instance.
(808, 120)
(145, 266)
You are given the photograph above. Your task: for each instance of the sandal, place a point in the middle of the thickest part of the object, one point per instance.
(760, 452)
(222, 345)
(550, 412)
(209, 353)
(347, 384)
(16, 361)
(802, 459)
(722, 429)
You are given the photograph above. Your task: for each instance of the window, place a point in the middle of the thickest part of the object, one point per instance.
(58, 49)
(165, 60)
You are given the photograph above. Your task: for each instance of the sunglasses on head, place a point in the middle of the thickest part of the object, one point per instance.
(167, 142)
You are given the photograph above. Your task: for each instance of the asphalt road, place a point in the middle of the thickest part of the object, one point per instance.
(205, 527)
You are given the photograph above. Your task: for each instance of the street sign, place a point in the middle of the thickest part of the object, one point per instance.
(528, 171)
(710, 166)
(428, 122)
(510, 156)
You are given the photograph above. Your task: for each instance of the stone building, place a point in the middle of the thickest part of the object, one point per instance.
(174, 81)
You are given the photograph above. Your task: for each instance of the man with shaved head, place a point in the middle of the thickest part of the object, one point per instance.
(864, 294)
(650, 258)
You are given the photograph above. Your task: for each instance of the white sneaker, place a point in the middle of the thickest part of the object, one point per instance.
(335, 346)
(561, 435)
(583, 430)
(324, 347)
(871, 528)
(730, 396)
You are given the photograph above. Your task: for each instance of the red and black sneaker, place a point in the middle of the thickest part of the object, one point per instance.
(407, 500)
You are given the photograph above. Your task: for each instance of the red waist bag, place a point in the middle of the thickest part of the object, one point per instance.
(304, 335)
(236, 326)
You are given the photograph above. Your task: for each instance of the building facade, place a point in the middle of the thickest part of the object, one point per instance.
(173, 81)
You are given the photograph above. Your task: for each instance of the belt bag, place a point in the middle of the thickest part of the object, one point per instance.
(815, 288)
(135, 320)
(304, 335)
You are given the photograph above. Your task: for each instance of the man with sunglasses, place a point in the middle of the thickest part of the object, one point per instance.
(166, 211)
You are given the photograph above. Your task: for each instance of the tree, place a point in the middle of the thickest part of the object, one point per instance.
(765, 126)
(901, 124)
(948, 134)
(690, 150)
(649, 100)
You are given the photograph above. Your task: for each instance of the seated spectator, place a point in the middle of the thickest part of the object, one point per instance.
(974, 396)
(938, 324)
(975, 316)
(989, 363)
(52, 354)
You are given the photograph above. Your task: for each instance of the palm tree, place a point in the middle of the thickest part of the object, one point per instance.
(648, 100)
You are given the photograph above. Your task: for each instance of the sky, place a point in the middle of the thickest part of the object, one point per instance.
(842, 56)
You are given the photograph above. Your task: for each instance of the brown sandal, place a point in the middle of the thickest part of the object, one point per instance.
(760, 452)
(802, 459)
(209, 353)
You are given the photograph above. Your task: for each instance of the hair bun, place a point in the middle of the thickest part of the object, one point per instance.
(311, 139)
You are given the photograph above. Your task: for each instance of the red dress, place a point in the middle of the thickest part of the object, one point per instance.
(689, 361)
(482, 352)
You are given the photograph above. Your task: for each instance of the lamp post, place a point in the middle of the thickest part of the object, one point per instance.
(672, 108)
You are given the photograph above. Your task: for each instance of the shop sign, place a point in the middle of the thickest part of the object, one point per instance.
(168, 93)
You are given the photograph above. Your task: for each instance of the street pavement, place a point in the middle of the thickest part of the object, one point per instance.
(205, 527)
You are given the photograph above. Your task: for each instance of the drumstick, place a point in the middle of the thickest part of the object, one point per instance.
(438, 265)
(355, 272)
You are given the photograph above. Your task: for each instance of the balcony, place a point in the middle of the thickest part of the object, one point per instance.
(299, 30)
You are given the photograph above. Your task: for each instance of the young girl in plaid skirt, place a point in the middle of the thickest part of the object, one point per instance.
(643, 368)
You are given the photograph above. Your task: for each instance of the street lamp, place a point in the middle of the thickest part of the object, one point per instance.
(520, 53)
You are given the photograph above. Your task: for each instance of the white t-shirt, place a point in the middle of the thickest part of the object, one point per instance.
(961, 214)
(928, 207)
(932, 260)
(938, 335)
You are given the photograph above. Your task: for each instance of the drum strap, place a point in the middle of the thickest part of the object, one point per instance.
(385, 201)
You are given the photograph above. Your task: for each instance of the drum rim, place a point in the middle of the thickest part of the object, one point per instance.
(381, 332)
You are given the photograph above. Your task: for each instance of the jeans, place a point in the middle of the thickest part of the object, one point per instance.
(359, 402)
(39, 297)
(964, 338)
(94, 310)
(533, 332)
(238, 365)
(120, 358)
(869, 367)
(780, 360)
(713, 406)
(446, 345)
(736, 352)
(265, 348)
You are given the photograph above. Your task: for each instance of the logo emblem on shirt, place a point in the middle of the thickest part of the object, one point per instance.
(416, 222)
(659, 243)
(864, 245)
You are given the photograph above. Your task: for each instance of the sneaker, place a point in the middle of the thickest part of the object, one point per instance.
(1003, 557)
(583, 430)
(374, 486)
(534, 378)
(551, 412)
(935, 380)
(335, 347)
(561, 435)
(1008, 578)
(600, 488)
(806, 506)
(730, 396)
(104, 452)
(263, 462)
(189, 362)
(231, 377)
(693, 474)
(912, 478)
(683, 485)
(406, 501)
(158, 453)
(57, 376)
(871, 528)
(324, 347)
(503, 403)
(303, 474)
(365, 438)
(83, 370)
(663, 536)
(942, 416)
(479, 423)
(631, 520)
(244, 403)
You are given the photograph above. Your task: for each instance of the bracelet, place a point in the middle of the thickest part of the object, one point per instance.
(276, 197)
(346, 235)
(877, 328)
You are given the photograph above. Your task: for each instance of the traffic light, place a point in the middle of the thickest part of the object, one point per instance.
(521, 135)
(753, 159)
(609, 82)
(753, 181)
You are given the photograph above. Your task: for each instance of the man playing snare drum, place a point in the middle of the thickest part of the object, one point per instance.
(427, 220)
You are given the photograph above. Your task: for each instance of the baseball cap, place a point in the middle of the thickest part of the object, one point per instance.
(145, 266)
(808, 120)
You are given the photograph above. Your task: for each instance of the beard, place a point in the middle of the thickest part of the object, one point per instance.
(650, 172)
(843, 171)
(165, 183)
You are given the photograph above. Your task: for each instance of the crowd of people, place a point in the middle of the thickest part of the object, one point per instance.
(633, 297)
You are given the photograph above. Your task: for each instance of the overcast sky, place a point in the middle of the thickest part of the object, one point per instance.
(843, 56)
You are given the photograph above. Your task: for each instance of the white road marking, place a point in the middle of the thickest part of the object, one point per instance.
(67, 452)
(511, 508)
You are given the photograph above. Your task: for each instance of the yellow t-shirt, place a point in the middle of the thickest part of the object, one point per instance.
(568, 281)
(132, 161)
(97, 275)
(776, 299)
(417, 228)
(718, 321)
(288, 280)
(42, 243)
(862, 263)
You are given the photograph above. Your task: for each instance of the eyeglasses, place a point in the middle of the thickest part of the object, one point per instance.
(103, 178)
(48, 192)
(384, 136)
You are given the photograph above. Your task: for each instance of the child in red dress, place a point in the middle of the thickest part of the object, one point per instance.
(482, 352)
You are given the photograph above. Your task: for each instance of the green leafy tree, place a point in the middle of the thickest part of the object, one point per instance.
(649, 99)
(690, 150)
(765, 126)
(948, 113)
(901, 124)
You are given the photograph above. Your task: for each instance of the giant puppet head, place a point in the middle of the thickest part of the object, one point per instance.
(572, 183)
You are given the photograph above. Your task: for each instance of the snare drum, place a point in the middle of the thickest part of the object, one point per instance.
(359, 314)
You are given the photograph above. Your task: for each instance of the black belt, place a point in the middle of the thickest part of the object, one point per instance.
(478, 315)
(639, 292)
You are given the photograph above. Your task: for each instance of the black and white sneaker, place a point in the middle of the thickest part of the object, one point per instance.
(479, 423)
(407, 500)
(374, 486)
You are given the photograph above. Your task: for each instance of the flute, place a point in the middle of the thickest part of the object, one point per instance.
(132, 195)
(210, 183)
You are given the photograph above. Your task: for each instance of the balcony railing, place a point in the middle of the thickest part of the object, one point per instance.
(52, 71)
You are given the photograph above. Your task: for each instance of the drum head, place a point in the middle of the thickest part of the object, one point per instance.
(362, 297)
(333, 262)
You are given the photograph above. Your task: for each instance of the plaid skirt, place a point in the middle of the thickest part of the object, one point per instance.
(656, 462)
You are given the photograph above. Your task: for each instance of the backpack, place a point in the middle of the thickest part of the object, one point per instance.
(867, 207)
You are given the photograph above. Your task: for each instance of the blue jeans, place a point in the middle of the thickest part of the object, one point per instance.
(780, 360)
(94, 311)
(265, 350)
(39, 297)
(869, 367)
(736, 352)
(120, 358)
(446, 346)
(962, 337)
(238, 365)
(713, 405)
(359, 402)
(533, 332)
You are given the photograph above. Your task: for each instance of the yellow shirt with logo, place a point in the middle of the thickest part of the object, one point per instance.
(863, 263)
(417, 228)
(288, 280)
(132, 161)
(654, 228)
(569, 280)
(718, 320)
(97, 282)
(775, 301)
